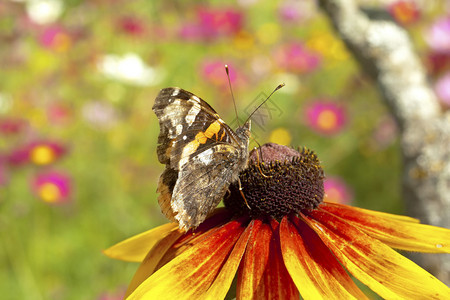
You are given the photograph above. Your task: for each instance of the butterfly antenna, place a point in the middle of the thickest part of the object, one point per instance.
(232, 95)
(276, 89)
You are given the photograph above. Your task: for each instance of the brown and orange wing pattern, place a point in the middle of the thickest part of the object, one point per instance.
(202, 156)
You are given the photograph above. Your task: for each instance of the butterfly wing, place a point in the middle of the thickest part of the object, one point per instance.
(202, 156)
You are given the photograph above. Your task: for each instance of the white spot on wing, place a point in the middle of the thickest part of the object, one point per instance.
(197, 99)
(192, 113)
(205, 157)
(175, 92)
(184, 137)
(178, 129)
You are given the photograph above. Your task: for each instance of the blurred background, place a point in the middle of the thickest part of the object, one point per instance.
(78, 165)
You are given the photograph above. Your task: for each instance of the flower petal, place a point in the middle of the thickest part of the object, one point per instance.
(381, 268)
(315, 271)
(254, 261)
(152, 260)
(190, 274)
(135, 249)
(394, 232)
(277, 283)
(219, 288)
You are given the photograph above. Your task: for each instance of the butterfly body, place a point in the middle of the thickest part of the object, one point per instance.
(202, 154)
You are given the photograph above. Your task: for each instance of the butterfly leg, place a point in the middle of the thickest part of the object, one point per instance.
(242, 194)
(258, 164)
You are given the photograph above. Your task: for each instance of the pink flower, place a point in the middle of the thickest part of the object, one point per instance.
(12, 126)
(326, 117)
(438, 36)
(213, 71)
(213, 23)
(438, 62)
(404, 12)
(56, 38)
(292, 11)
(295, 58)
(38, 153)
(131, 25)
(442, 89)
(52, 187)
(337, 191)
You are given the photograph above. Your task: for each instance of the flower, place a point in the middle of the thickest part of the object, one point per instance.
(212, 23)
(52, 187)
(337, 191)
(282, 242)
(326, 117)
(213, 71)
(438, 35)
(131, 25)
(12, 126)
(442, 88)
(129, 68)
(295, 58)
(291, 11)
(38, 153)
(404, 12)
(56, 38)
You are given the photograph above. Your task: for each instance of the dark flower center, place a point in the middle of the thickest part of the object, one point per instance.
(278, 181)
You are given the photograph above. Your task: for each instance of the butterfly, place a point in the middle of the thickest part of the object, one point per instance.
(202, 154)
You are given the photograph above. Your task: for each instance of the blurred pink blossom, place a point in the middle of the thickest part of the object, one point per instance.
(438, 62)
(442, 89)
(213, 23)
(37, 152)
(213, 71)
(52, 187)
(292, 11)
(326, 117)
(12, 126)
(337, 191)
(131, 25)
(296, 58)
(56, 38)
(438, 35)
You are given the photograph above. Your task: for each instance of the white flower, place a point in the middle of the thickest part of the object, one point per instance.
(129, 68)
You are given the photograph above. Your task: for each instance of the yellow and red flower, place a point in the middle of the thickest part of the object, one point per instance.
(285, 245)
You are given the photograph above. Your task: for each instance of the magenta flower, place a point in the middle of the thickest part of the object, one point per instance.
(213, 23)
(213, 71)
(442, 89)
(326, 117)
(52, 187)
(337, 191)
(12, 126)
(38, 153)
(404, 12)
(438, 62)
(56, 38)
(295, 58)
(438, 35)
(131, 25)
